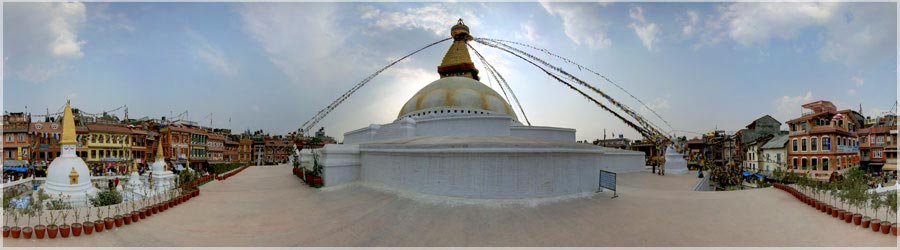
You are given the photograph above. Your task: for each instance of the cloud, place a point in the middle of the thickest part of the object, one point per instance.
(214, 58)
(850, 33)
(851, 92)
(788, 107)
(689, 27)
(581, 24)
(433, 17)
(301, 40)
(112, 20)
(858, 81)
(46, 38)
(528, 32)
(648, 32)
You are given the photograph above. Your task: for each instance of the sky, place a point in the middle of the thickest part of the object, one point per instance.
(272, 66)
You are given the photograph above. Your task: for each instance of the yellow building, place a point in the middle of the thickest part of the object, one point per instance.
(109, 147)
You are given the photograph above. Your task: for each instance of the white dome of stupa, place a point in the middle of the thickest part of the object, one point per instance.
(68, 175)
(457, 92)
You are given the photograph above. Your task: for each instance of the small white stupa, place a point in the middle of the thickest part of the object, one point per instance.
(675, 163)
(68, 175)
(135, 187)
(162, 178)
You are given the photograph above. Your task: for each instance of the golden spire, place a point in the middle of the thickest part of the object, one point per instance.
(68, 127)
(159, 152)
(457, 61)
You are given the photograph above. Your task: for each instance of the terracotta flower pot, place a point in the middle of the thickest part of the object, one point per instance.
(27, 231)
(88, 227)
(15, 232)
(857, 219)
(127, 219)
(135, 216)
(109, 222)
(848, 217)
(894, 229)
(98, 225)
(52, 231)
(865, 222)
(40, 231)
(829, 209)
(64, 230)
(885, 227)
(76, 229)
(143, 213)
(154, 209)
(834, 212)
(5, 231)
(119, 221)
(876, 225)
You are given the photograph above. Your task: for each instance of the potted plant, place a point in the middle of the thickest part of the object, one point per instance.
(64, 229)
(76, 227)
(88, 225)
(119, 220)
(126, 216)
(135, 214)
(27, 230)
(109, 221)
(52, 228)
(6, 214)
(887, 226)
(98, 224)
(15, 231)
(37, 207)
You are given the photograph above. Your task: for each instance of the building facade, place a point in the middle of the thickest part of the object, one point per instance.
(878, 144)
(774, 154)
(109, 148)
(823, 141)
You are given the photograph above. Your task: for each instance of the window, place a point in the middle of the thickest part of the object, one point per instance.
(803, 164)
(814, 144)
(778, 157)
(876, 153)
(9, 137)
(815, 163)
(825, 164)
(794, 145)
(826, 143)
(803, 144)
(22, 137)
(93, 153)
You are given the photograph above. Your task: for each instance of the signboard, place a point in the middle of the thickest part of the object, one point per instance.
(608, 181)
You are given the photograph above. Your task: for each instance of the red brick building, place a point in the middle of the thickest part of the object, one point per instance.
(823, 141)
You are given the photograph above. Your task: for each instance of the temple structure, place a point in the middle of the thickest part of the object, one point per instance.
(68, 175)
(458, 137)
(675, 163)
(160, 177)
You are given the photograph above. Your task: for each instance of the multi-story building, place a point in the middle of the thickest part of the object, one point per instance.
(231, 148)
(142, 141)
(198, 147)
(763, 127)
(276, 150)
(878, 144)
(245, 149)
(45, 143)
(824, 141)
(258, 154)
(774, 154)
(215, 148)
(175, 140)
(16, 140)
(110, 147)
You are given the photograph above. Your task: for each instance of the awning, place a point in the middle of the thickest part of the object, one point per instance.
(15, 163)
(17, 169)
(889, 167)
(759, 175)
(746, 173)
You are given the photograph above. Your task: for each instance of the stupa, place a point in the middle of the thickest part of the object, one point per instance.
(135, 187)
(68, 175)
(675, 163)
(457, 137)
(162, 178)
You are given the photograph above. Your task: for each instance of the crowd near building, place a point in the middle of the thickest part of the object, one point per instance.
(112, 147)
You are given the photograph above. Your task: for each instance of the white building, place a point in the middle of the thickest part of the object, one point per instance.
(458, 137)
(774, 154)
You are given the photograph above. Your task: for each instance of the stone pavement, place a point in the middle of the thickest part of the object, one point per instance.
(267, 206)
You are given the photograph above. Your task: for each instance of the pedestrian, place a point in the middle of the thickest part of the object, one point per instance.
(109, 183)
(117, 181)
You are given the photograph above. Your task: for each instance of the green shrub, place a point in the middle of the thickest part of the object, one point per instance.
(223, 168)
(106, 198)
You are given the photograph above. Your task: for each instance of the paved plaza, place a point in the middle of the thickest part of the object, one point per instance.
(267, 206)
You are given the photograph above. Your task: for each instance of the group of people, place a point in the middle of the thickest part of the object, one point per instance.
(11, 176)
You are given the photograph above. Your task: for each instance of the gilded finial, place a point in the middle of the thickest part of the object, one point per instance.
(68, 127)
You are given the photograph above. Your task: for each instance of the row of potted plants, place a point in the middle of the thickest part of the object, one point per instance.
(122, 216)
(111, 200)
(847, 199)
(230, 174)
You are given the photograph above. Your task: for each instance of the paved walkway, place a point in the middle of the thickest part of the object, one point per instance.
(267, 206)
